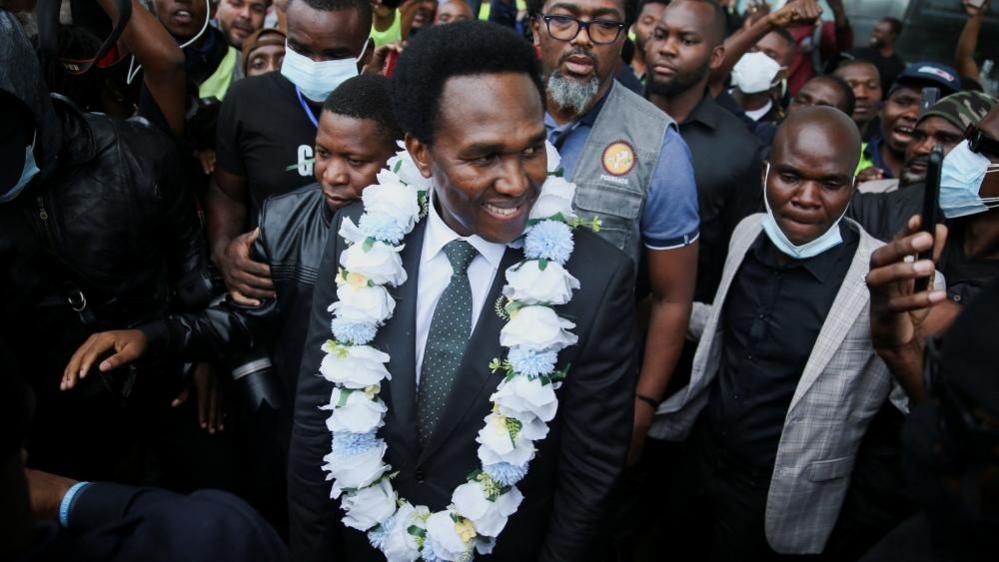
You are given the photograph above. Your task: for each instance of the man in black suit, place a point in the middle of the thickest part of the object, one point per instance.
(470, 101)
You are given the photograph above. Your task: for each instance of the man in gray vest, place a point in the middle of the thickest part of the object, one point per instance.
(631, 168)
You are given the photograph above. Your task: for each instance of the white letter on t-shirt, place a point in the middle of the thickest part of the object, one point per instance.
(305, 160)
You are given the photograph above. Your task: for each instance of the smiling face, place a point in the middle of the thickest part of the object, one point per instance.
(682, 49)
(865, 81)
(349, 153)
(579, 62)
(423, 13)
(326, 35)
(182, 18)
(930, 131)
(898, 118)
(240, 18)
(488, 158)
(810, 178)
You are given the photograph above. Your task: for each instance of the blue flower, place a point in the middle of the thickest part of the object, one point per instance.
(379, 535)
(428, 552)
(381, 226)
(346, 444)
(531, 362)
(504, 473)
(352, 332)
(549, 240)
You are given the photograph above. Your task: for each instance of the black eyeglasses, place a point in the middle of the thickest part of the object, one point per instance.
(566, 28)
(978, 142)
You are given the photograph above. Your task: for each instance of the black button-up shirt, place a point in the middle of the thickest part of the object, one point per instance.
(773, 314)
(726, 159)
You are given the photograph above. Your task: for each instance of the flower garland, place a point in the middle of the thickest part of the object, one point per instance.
(522, 405)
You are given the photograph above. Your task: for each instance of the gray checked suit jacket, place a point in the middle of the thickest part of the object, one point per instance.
(843, 385)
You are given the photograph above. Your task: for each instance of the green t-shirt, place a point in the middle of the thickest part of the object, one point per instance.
(390, 35)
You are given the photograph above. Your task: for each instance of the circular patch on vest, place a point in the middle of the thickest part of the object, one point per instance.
(619, 158)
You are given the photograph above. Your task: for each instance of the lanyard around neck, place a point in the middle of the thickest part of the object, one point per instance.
(308, 110)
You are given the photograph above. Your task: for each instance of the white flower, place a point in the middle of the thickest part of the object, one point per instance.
(380, 263)
(489, 517)
(357, 366)
(408, 172)
(369, 506)
(496, 444)
(401, 546)
(529, 284)
(363, 304)
(355, 471)
(443, 538)
(555, 198)
(358, 414)
(394, 200)
(554, 160)
(537, 327)
(522, 397)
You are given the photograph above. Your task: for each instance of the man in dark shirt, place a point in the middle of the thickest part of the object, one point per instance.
(728, 187)
(881, 51)
(267, 128)
(785, 380)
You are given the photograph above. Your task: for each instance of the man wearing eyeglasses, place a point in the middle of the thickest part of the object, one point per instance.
(631, 168)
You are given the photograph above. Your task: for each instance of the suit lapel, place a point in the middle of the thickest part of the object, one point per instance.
(397, 338)
(474, 381)
(847, 306)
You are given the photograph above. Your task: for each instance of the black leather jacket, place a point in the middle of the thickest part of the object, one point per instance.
(293, 231)
(104, 237)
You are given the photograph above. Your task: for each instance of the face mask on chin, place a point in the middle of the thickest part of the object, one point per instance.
(829, 239)
(317, 79)
(28, 171)
(961, 178)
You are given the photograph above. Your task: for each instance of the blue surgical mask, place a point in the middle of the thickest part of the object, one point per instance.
(829, 239)
(317, 79)
(961, 179)
(29, 171)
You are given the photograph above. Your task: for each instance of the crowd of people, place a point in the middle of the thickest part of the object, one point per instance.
(587, 280)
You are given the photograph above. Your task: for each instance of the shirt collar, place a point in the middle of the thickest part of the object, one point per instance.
(757, 114)
(706, 112)
(820, 266)
(588, 119)
(439, 234)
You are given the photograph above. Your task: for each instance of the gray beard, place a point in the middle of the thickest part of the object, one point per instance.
(570, 94)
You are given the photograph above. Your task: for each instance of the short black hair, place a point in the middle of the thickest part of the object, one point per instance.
(362, 6)
(631, 11)
(845, 89)
(718, 23)
(896, 25)
(368, 96)
(785, 35)
(465, 48)
(643, 3)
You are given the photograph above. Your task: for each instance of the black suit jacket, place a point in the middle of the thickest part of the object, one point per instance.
(575, 467)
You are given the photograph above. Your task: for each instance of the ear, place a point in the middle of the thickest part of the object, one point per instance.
(717, 57)
(369, 51)
(536, 31)
(420, 153)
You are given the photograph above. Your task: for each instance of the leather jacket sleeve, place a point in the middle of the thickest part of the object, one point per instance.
(222, 330)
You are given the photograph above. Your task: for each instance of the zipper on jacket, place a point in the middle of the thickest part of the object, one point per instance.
(43, 215)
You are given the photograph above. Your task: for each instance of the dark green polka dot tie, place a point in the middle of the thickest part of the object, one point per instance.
(449, 332)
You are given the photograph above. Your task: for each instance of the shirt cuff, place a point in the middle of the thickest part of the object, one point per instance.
(66, 505)
(672, 243)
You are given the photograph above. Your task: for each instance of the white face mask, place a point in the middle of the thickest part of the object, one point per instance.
(317, 79)
(829, 239)
(961, 179)
(755, 73)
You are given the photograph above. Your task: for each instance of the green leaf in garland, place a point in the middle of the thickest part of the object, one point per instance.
(561, 374)
(500, 310)
(513, 427)
(542, 264)
(344, 396)
(369, 243)
(397, 167)
(495, 365)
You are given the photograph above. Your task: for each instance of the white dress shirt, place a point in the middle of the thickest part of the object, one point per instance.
(435, 275)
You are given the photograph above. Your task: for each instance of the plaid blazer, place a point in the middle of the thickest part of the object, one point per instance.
(843, 385)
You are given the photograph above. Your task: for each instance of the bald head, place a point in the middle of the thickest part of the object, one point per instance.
(809, 181)
(820, 124)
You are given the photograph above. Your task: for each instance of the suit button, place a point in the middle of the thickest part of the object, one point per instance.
(420, 477)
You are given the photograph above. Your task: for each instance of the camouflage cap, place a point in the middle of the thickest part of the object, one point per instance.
(962, 109)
